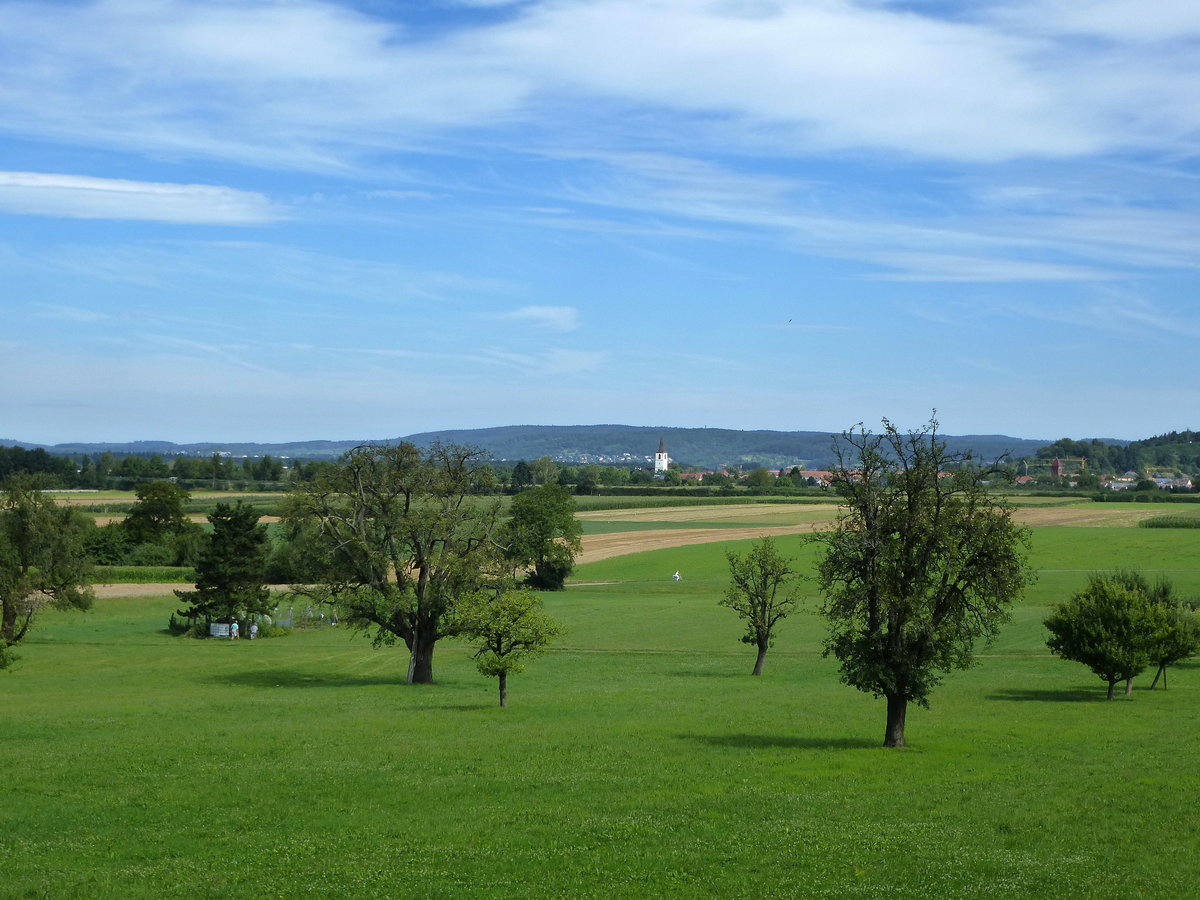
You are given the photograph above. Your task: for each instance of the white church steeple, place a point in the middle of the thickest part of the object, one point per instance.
(661, 460)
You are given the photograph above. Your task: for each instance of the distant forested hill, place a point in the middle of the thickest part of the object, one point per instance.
(708, 448)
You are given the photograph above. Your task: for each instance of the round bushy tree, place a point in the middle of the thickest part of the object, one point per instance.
(1111, 626)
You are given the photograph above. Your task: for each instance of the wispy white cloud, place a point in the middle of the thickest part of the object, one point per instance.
(1115, 311)
(253, 271)
(554, 318)
(231, 355)
(69, 313)
(319, 84)
(556, 361)
(1169, 21)
(84, 197)
(571, 362)
(992, 231)
(948, 267)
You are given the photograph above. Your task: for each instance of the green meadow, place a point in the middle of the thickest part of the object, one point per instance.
(637, 759)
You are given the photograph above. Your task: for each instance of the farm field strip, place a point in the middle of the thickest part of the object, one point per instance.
(803, 519)
(740, 512)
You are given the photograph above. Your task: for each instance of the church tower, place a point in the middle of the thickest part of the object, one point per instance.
(661, 460)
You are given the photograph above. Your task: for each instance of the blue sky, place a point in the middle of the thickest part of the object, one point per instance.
(282, 220)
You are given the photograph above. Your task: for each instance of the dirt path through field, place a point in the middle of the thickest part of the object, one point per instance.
(106, 591)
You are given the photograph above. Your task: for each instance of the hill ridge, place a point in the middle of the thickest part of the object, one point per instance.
(604, 444)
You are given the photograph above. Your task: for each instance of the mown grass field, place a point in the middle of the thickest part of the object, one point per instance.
(638, 759)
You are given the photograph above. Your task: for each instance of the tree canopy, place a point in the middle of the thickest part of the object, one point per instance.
(398, 540)
(42, 560)
(1119, 624)
(543, 535)
(922, 564)
(160, 510)
(506, 629)
(753, 593)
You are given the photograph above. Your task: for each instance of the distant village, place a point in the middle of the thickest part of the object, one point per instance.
(1067, 473)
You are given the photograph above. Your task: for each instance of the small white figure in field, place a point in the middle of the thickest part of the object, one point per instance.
(677, 577)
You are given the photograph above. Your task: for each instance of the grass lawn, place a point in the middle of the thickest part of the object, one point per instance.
(638, 759)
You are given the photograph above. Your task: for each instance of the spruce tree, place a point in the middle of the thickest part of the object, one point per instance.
(230, 574)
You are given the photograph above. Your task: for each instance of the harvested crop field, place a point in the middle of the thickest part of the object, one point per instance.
(800, 520)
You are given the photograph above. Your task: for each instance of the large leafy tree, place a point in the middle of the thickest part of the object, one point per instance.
(922, 564)
(756, 580)
(506, 629)
(42, 559)
(398, 540)
(543, 535)
(230, 579)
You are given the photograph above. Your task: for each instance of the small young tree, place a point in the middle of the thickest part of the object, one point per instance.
(231, 570)
(1179, 636)
(42, 559)
(1180, 640)
(753, 593)
(506, 629)
(1111, 626)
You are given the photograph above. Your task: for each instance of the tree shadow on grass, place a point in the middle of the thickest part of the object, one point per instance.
(765, 741)
(708, 673)
(1050, 695)
(295, 678)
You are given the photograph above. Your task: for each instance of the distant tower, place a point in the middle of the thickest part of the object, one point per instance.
(661, 460)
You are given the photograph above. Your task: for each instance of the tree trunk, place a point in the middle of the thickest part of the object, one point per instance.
(897, 708)
(8, 623)
(1161, 673)
(1128, 687)
(758, 663)
(1111, 686)
(504, 689)
(420, 663)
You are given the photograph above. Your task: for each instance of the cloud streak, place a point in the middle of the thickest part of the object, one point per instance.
(554, 318)
(84, 197)
(319, 84)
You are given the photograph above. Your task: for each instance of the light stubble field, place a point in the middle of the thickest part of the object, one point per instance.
(779, 519)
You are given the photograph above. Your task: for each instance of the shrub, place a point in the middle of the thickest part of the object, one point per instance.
(149, 555)
(1170, 522)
